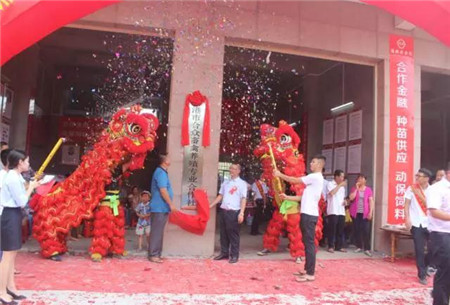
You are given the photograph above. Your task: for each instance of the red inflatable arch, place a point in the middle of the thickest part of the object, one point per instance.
(25, 22)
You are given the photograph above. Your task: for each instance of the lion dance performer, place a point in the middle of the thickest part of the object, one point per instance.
(122, 146)
(279, 149)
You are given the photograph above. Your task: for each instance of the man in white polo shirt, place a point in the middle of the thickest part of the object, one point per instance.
(416, 220)
(233, 194)
(438, 203)
(309, 211)
(336, 211)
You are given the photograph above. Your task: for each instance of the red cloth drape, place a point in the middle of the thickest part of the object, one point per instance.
(195, 99)
(194, 223)
(433, 16)
(25, 22)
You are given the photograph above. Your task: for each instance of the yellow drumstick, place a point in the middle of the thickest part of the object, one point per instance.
(276, 180)
(49, 158)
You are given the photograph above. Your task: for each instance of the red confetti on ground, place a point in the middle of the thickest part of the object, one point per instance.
(203, 276)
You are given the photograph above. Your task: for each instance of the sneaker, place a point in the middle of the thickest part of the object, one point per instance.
(298, 260)
(368, 253)
(423, 281)
(358, 250)
(431, 271)
(331, 250)
(263, 252)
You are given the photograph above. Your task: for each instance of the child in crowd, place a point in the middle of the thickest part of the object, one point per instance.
(143, 213)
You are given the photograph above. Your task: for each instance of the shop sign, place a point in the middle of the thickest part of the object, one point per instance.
(193, 155)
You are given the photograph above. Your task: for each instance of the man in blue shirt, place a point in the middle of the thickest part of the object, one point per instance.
(160, 207)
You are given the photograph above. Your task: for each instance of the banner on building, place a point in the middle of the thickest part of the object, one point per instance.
(401, 147)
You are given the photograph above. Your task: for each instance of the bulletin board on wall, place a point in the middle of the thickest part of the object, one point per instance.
(342, 142)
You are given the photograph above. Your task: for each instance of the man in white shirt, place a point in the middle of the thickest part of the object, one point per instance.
(233, 194)
(260, 190)
(309, 211)
(336, 211)
(325, 229)
(325, 186)
(438, 203)
(416, 220)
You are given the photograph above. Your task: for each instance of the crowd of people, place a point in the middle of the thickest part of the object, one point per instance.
(427, 216)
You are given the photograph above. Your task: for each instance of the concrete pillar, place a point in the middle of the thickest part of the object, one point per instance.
(197, 65)
(381, 164)
(417, 116)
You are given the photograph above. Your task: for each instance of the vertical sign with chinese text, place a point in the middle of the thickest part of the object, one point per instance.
(401, 146)
(193, 155)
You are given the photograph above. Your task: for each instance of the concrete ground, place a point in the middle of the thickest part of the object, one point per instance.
(134, 280)
(341, 278)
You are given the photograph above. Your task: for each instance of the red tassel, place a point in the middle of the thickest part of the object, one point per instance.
(195, 99)
(206, 124)
(185, 124)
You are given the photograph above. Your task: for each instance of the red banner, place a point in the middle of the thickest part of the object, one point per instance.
(401, 147)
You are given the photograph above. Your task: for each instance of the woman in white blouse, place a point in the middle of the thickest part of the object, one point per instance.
(13, 197)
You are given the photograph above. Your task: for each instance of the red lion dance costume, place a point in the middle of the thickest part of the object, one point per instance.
(128, 138)
(284, 142)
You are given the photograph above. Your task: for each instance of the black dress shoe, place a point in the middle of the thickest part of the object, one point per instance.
(220, 256)
(15, 296)
(233, 260)
(8, 303)
(56, 258)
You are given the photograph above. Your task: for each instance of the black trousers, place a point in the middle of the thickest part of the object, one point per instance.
(308, 228)
(258, 217)
(440, 249)
(229, 232)
(421, 238)
(361, 230)
(323, 241)
(159, 221)
(335, 231)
